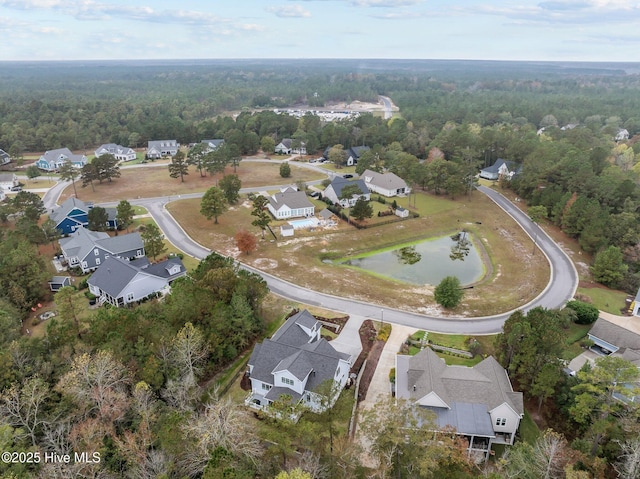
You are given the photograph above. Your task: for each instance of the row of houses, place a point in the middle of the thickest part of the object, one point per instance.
(478, 402)
(290, 203)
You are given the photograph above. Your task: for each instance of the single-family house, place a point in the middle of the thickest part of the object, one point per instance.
(156, 149)
(120, 153)
(54, 159)
(476, 402)
(334, 191)
(620, 337)
(298, 363)
(212, 144)
(290, 204)
(8, 181)
(616, 338)
(59, 282)
(120, 282)
(285, 147)
(351, 155)
(386, 184)
(500, 169)
(622, 134)
(71, 215)
(4, 158)
(87, 249)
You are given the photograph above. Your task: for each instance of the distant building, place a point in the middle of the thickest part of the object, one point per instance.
(54, 159)
(120, 153)
(160, 148)
(500, 169)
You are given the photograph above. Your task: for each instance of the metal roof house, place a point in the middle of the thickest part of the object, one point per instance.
(477, 402)
(296, 362)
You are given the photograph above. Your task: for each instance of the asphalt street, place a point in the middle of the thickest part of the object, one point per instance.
(561, 287)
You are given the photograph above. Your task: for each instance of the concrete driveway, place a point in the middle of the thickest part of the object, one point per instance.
(348, 341)
(379, 387)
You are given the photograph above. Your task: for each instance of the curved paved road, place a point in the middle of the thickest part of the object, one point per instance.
(562, 286)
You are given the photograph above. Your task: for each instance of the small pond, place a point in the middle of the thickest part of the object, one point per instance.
(427, 262)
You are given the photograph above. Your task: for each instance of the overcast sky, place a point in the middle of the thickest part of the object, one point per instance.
(579, 30)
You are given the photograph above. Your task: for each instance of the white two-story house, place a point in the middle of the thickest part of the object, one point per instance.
(298, 363)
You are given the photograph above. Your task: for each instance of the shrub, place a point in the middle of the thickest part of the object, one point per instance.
(448, 293)
(382, 200)
(83, 284)
(585, 313)
(392, 375)
(384, 332)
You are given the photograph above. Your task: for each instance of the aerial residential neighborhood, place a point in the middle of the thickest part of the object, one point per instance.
(411, 291)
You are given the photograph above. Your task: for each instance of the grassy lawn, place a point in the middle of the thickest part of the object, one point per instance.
(529, 431)
(456, 341)
(604, 299)
(139, 210)
(574, 335)
(155, 181)
(515, 276)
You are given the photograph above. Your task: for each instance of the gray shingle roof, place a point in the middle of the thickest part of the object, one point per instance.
(162, 269)
(292, 199)
(114, 274)
(486, 383)
(82, 241)
(388, 181)
(65, 208)
(53, 155)
(290, 350)
(616, 335)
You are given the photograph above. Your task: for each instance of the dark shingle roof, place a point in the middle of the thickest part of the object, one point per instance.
(339, 183)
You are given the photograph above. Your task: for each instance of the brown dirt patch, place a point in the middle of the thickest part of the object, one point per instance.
(371, 351)
(151, 182)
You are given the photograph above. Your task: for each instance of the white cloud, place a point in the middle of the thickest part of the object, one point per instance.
(384, 3)
(289, 11)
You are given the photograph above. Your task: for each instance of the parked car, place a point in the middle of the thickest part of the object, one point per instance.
(347, 176)
(16, 188)
(315, 194)
(47, 315)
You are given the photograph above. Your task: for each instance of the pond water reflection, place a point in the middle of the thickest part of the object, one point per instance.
(427, 262)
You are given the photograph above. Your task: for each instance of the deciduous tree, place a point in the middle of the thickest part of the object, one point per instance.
(245, 241)
(609, 267)
(188, 352)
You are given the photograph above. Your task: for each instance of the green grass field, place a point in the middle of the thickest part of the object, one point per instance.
(608, 300)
